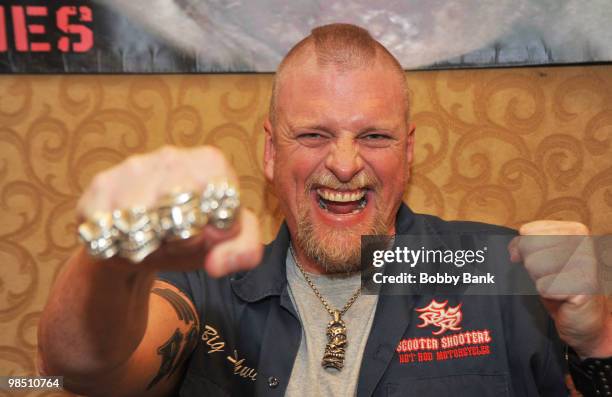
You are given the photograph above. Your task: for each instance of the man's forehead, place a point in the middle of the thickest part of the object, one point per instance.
(310, 82)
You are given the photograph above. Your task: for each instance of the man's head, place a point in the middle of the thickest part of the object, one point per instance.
(338, 143)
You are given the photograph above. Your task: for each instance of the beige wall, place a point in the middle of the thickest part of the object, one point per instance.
(503, 146)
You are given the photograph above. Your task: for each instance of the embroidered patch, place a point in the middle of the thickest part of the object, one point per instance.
(458, 345)
(438, 315)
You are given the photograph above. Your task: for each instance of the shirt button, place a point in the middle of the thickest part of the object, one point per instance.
(272, 382)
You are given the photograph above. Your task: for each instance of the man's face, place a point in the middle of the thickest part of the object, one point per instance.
(338, 157)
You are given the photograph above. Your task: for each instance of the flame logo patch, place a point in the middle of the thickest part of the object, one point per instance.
(438, 315)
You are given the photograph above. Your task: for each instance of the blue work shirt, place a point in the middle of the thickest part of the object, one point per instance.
(250, 333)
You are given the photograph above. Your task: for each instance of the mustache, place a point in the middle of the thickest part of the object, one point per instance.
(359, 181)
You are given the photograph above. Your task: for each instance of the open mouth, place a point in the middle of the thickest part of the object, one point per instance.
(342, 201)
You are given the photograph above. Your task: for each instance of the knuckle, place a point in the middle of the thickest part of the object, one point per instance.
(167, 154)
(214, 155)
(100, 181)
(581, 228)
(543, 287)
(134, 164)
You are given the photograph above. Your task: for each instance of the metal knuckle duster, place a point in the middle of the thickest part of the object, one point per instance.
(99, 236)
(140, 233)
(220, 202)
(179, 216)
(135, 233)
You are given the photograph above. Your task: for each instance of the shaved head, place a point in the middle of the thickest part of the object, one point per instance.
(338, 144)
(343, 47)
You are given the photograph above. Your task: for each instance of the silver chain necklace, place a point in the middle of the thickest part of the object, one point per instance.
(336, 329)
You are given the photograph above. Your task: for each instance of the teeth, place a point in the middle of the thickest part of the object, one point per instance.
(341, 197)
(362, 203)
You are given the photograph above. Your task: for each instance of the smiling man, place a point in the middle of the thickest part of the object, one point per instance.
(171, 296)
(338, 145)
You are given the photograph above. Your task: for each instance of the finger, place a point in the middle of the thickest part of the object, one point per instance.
(210, 165)
(547, 261)
(534, 243)
(521, 246)
(174, 171)
(513, 250)
(240, 253)
(189, 254)
(207, 238)
(549, 227)
(577, 255)
(97, 197)
(563, 286)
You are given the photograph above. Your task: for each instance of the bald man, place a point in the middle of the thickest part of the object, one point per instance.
(217, 314)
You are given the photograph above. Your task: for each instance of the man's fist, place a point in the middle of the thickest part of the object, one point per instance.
(560, 258)
(142, 181)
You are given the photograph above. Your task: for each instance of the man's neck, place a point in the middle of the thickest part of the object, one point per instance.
(308, 264)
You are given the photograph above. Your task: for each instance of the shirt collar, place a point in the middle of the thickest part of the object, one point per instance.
(269, 278)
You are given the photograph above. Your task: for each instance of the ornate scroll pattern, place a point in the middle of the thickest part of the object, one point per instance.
(503, 146)
(522, 144)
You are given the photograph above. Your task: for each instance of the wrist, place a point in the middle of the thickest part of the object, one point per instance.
(602, 345)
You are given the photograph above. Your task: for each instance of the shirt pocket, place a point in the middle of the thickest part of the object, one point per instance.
(467, 385)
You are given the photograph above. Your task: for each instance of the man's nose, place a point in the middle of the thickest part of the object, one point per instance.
(344, 159)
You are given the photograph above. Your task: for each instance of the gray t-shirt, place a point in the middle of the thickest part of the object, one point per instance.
(308, 377)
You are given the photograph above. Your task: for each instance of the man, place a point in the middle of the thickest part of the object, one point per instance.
(206, 314)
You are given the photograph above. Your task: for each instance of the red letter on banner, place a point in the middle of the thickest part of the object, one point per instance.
(3, 27)
(37, 11)
(21, 29)
(63, 16)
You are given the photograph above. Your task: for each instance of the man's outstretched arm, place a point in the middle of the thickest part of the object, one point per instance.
(109, 327)
(111, 330)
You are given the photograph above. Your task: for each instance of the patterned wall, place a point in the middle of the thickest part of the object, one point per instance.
(503, 146)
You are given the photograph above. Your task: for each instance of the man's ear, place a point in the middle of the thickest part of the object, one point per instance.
(269, 151)
(410, 143)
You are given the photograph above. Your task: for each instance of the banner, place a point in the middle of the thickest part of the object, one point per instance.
(185, 36)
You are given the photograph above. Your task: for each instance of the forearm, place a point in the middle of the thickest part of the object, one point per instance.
(95, 317)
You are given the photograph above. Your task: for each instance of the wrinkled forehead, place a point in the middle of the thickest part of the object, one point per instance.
(306, 75)
(307, 88)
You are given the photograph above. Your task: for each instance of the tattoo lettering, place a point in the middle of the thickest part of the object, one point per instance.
(168, 352)
(182, 309)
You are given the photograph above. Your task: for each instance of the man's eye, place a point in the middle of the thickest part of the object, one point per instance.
(375, 140)
(376, 137)
(312, 139)
(310, 135)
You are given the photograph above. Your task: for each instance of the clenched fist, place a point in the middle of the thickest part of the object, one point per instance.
(145, 181)
(560, 258)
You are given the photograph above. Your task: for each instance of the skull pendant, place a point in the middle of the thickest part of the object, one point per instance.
(336, 343)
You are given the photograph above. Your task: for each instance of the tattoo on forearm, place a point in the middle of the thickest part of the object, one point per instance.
(182, 309)
(168, 352)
